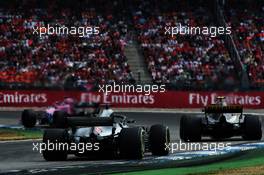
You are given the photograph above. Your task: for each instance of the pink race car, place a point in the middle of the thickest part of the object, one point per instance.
(54, 113)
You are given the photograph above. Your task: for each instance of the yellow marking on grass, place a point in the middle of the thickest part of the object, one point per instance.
(254, 170)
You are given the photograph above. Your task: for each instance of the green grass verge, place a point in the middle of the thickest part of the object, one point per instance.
(248, 159)
(19, 134)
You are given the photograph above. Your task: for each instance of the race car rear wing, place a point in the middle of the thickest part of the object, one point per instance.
(90, 121)
(223, 109)
(86, 105)
(91, 105)
(95, 121)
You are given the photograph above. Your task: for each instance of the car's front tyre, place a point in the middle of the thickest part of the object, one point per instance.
(28, 118)
(131, 143)
(252, 128)
(159, 138)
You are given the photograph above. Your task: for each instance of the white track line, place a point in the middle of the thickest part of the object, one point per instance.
(178, 112)
(17, 141)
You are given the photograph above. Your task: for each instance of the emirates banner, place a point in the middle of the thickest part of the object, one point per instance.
(169, 99)
(32, 98)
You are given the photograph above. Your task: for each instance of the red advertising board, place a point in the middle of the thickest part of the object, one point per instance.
(30, 98)
(177, 99)
(169, 99)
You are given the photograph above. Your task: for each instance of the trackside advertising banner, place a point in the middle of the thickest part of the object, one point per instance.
(168, 99)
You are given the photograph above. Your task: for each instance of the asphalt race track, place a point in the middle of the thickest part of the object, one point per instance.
(18, 155)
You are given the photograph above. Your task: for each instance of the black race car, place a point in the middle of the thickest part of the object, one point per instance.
(108, 136)
(221, 121)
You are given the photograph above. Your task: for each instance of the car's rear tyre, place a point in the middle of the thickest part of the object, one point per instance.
(159, 138)
(131, 143)
(51, 138)
(191, 128)
(28, 118)
(60, 119)
(252, 128)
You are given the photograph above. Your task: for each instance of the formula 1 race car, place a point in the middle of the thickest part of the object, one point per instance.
(106, 136)
(220, 121)
(30, 118)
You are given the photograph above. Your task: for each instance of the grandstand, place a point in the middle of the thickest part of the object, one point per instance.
(184, 62)
(247, 22)
(52, 60)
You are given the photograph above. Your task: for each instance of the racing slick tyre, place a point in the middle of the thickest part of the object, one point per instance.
(159, 137)
(191, 128)
(28, 118)
(131, 143)
(252, 128)
(55, 137)
(60, 119)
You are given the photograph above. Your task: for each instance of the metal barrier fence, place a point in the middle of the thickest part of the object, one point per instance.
(229, 42)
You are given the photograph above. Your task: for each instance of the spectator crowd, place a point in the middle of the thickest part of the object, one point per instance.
(191, 61)
(58, 59)
(247, 22)
(184, 61)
